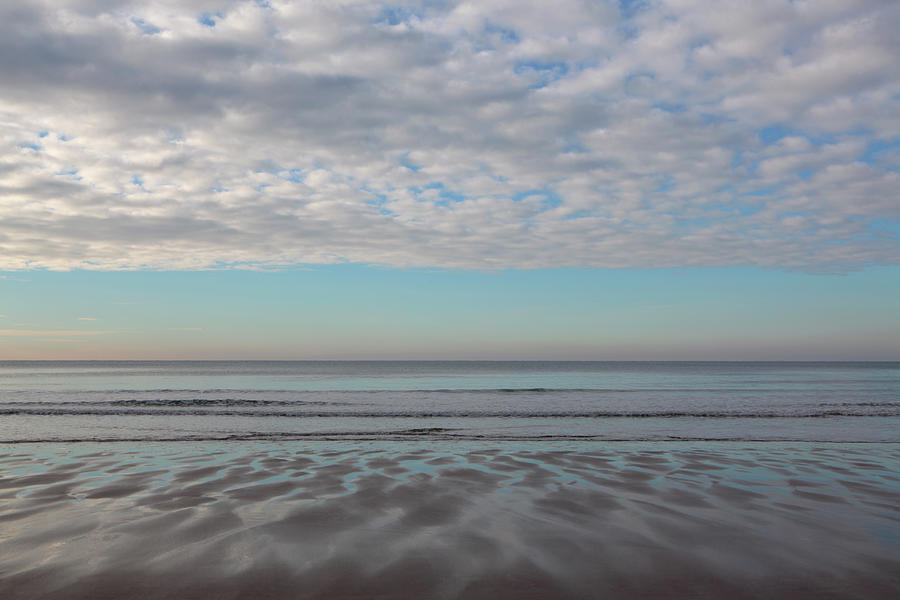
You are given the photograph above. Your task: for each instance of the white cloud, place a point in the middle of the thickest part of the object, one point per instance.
(87, 318)
(458, 134)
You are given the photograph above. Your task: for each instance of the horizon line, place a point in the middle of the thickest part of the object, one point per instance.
(439, 360)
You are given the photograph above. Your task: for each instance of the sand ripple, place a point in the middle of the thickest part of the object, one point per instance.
(444, 520)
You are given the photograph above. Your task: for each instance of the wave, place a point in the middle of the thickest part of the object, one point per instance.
(860, 404)
(164, 409)
(326, 391)
(217, 402)
(188, 402)
(430, 434)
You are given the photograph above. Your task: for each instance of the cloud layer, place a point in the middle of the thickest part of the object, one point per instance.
(489, 134)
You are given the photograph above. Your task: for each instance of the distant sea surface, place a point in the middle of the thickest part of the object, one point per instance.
(607, 401)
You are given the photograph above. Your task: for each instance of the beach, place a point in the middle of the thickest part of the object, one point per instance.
(440, 300)
(382, 519)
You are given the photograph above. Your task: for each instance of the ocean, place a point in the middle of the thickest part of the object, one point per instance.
(69, 401)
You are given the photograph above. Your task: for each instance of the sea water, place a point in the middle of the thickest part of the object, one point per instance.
(526, 401)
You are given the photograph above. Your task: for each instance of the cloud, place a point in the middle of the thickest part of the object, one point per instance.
(87, 318)
(228, 133)
(185, 329)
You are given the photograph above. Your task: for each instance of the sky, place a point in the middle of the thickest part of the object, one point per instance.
(446, 179)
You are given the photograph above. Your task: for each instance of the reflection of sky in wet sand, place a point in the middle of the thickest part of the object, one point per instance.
(444, 520)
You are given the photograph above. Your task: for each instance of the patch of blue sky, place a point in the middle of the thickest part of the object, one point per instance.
(396, 15)
(43, 134)
(589, 63)
(549, 199)
(519, 196)
(735, 207)
(145, 27)
(404, 161)
(714, 119)
(237, 264)
(751, 166)
(467, 312)
(31, 146)
(136, 180)
(628, 29)
(773, 133)
(292, 174)
(670, 107)
(762, 191)
(699, 42)
(667, 184)
(533, 65)
(489, 172)
(884, 226)
(295, 175)
(545, 72)
(507, 35)
(574, 147)
(378, 200)
(878, 149)
(73, 173)
(208, 19)
(448, 196)
(581, 214)
(630, 8)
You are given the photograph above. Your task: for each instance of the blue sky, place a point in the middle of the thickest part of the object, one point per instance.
(490, 179)
(359, 312)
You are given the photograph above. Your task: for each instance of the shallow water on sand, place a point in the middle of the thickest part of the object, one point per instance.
(321, 519)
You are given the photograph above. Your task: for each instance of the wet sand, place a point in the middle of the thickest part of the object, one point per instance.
(444, 520)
